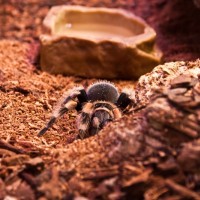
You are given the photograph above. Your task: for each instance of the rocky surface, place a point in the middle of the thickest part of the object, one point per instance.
(144, 155)
(162, 75)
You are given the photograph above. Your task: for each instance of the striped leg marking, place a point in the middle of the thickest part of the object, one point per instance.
(84, 120)
(69, 101)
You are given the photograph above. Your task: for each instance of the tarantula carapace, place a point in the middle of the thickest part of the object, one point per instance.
(98, 105)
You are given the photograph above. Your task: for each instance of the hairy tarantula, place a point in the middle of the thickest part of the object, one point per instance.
(98, 105)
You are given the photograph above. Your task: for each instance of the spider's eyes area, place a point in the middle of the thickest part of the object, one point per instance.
(103, 91)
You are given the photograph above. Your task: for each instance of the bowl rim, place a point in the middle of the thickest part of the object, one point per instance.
(148, 34)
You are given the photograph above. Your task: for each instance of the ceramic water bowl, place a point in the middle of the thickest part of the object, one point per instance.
(97, 42)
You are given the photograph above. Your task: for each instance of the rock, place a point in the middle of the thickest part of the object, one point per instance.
(189, 156)
(168, 75)
(176, 109)
(87, 42)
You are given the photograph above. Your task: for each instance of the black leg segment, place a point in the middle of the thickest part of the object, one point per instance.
(82, 97)
(49, 125)
(62, 111)
(123, 101)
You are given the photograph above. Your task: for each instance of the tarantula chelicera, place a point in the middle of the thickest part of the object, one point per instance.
(98, 105)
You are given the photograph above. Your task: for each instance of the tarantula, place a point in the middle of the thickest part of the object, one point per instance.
(98, 105)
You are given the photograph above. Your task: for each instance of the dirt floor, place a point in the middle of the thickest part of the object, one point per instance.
(148, 154)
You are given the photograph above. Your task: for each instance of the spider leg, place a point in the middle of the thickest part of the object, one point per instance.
(72, 99)
(126, 99)
(95, 128)
(117, 113)
(84, 120)
(51, 121)
(48, 125)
